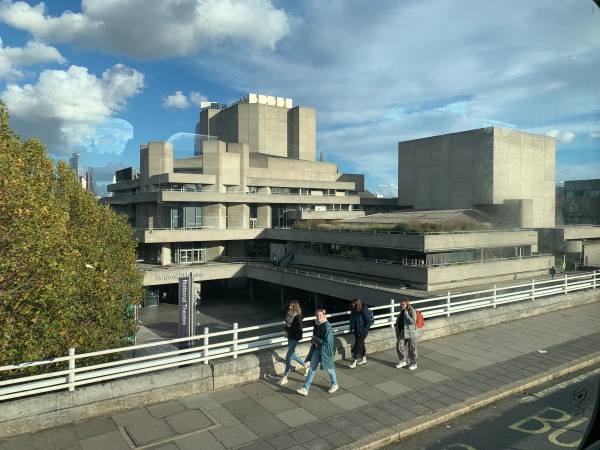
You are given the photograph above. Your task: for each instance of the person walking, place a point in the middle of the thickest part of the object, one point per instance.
(293, 332)
(360, 324)
(321, 351)
(406, 336)
(552, 272)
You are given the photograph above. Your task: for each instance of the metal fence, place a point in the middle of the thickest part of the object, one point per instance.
(77, 370)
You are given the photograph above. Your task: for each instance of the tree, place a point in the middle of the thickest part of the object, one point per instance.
(67, 264)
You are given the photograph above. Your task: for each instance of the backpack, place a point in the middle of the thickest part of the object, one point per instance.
(368, 317)
(420, 319)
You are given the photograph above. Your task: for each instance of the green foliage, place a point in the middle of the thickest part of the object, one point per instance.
(50, 229)
(407, 227)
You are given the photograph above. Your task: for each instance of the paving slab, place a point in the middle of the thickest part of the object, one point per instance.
(234, 436)
(188, 421)
(296, 417)
(113, 440)
(348, 401)
(165, 409)
(94, 427)
(153, 430)
(204, 441)
(132, 416)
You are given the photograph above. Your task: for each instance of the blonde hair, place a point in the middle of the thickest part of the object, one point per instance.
(408, 305)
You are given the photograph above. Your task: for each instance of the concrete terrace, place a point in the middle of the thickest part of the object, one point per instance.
(372, 398)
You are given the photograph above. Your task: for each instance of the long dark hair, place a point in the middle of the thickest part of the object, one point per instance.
(357, 305)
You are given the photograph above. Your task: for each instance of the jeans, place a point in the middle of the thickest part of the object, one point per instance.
(412, 350)
(291, 354)
(314, 364)
(358, 349)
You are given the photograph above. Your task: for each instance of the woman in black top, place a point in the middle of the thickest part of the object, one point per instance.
(293, 332)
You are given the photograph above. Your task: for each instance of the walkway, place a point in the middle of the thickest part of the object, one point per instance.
(263, 415)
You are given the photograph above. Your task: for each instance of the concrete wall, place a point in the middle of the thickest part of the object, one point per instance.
(204, 272)
(434, 278)
(525, 168)
(591, 253)
(446, 172)
(58, 408)
(484, 239)
(460, 275)
(488, 166)
(156, 158)
(302, 133)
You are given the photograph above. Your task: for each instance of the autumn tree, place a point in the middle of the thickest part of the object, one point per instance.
(67, 264)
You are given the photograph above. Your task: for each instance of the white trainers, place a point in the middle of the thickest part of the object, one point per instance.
(353, 364)
(302, 391)
(412, 367)
(283, 381)
(401, 364)
(362, 361)
(333, 388)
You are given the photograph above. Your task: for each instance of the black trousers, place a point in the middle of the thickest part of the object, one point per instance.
(358, 349)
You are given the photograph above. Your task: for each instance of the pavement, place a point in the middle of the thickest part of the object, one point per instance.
(553, 416)
(373, 403)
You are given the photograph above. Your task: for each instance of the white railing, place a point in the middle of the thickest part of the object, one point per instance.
(80, 369)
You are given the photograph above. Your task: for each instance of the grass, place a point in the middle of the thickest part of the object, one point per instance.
(408, 227)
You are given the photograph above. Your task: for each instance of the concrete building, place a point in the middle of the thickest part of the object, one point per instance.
(254, 179)
(581, 202)
(268, 125)
(507, 173)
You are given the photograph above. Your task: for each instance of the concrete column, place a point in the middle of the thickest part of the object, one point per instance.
(214, 215)
(165, 255)
(263, 213)
(238, 215)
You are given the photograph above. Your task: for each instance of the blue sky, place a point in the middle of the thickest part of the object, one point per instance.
(109, 72)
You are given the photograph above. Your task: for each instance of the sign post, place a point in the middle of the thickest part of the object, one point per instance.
(185, 309)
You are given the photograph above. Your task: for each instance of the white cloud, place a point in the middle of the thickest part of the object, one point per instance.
(594, 134)
(564, 137)
(64, 107)
(179, 100)
(176, 101)
(12, 59)
(196, 98)
(153, 29)
(398, 70)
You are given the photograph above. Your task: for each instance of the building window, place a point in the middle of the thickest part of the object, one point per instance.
(189, 254)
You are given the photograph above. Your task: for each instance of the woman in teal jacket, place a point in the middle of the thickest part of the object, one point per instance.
(322, 351)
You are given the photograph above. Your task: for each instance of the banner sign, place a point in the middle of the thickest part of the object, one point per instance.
(185, 306)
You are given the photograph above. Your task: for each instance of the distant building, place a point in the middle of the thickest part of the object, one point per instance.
(75, 164)
(84, 176)
(507, 173)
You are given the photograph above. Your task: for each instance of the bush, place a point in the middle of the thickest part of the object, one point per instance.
(50, 229)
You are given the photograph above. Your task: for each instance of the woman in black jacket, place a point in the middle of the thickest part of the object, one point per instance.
(293, 332)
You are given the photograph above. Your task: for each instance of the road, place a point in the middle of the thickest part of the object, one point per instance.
(552, 416)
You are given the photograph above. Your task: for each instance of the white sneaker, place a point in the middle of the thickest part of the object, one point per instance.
(401, 364)
(302, 391)
(353, 364)
(412, 367)
(362, 361)
(333, 388)
(283, 381)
